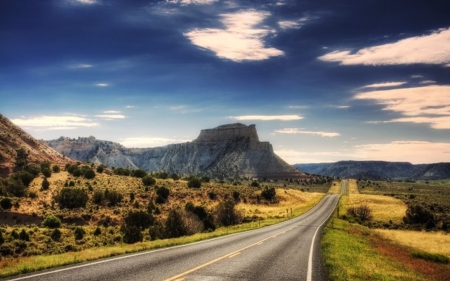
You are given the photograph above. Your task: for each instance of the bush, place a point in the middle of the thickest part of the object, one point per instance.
(79, 233)
(100, 169)
(254, 184)
(417, 214)
(164, 192)
(148, 181)
(139, 219)
(89, 174)
(362, 213)
(268, 193)
(23, 235)
(113, 197)
(51, 221)
(6, 203)
(174, 226)
(23, 176)
(15, 187)
(56, 235)
(97, 231)
(72, 198)
(131, 234)
(226, 213)
(194, 183)
(45, 184)
(97, 197)
(139, 173)
(46, 172)
(437, 258)
(56, 169)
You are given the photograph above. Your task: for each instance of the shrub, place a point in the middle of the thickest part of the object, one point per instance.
(7, 249)
(139, 173)
(175, 176)
(46, 172)
(131, 234)
(45, 184)
(89, 174)
(72, 198)
(417, 214)
(205, 179)
(254, 184)
(79, 233)
(100, 169)
(113, 197)
(148, 181)
(97, 231)
(194, 183)
(437, 258)
(236, 196)
(164, 192)
(362, 212)
(56, 169)
(268, 193)
(97, 197)
(139, 219)
(6, 203)
(156, 231)
(23, 235)
(56, 235)
(174, 226)
(51, 221)
(226, 213)
(23, 176)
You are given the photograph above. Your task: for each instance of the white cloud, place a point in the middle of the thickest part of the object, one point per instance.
(429, 104)
(416, 76)
(296, 131)
(178, 107)
(433, 48)
(409, 151)
(384, 85)
(111, 116)
(145, 142)
(292, 24)
(298, 106)
(86, 2)
(111, 112)
(129, 106)
(428, 82)
(55, 122)
(340, 106)
(240, 40)
(81, 65)
(267, 117)
(295, 157)
(102, 84)
(189, 2)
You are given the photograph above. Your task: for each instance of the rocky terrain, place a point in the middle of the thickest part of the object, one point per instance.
(227, 151)
(379, 170)
(13, 138)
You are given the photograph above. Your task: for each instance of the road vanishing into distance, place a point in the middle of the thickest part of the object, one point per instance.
(286, 251)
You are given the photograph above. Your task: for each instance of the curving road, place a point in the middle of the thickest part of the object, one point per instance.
(286, 251)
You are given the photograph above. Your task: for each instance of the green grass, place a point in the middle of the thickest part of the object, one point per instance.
(348, 255)
(437, 258)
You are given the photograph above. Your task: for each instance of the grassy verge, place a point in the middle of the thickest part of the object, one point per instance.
(34, 263)
(349, 254)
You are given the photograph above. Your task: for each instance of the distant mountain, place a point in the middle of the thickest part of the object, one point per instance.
(13, 138)
(378, 170)
(229, 151)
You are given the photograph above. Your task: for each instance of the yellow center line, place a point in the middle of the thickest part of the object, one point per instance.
(232, 256)
(235, 253)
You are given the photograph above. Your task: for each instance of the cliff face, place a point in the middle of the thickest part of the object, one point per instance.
(229, 151)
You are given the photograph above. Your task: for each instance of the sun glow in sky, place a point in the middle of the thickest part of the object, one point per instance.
(322, 80)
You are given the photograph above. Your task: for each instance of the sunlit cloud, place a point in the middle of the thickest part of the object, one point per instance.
(111, 112)
(55, 122)
(102, 84)
(178, 107)
(433, 48)
(298, 106)
(340, 106)
(405, 151)
(295, 157)
(129, 106)
(428, 105)
(189, 2)
(240, 40)
(292, 24)
(81, 65)
(111, 116)
(144, 142)
(384, 85)
(428, 82)
(267, 117)
(296, 131)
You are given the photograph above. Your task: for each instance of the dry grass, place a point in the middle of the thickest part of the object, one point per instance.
(352, 187)
(335, 188)
(431, 242)
(291, 199)
(384, 208)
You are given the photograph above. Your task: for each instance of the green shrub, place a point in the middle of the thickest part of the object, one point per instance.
(46, 172)
(56, 169)
(89, 174)
(148, 181)
(268, 193)
(254, 184)
(164, 192)
(139, 219)
(45, 184)
(23, 235)
(79, 233)
(23, 176)
(174, 226)
(131, 234)
(97, 197)
(194, 183)
(113, 197)
(51, 221)
(72, 198)
(97, 231)
(6, 203)
(139, 173)
(362, 213)
(226, 213)
(56, 235)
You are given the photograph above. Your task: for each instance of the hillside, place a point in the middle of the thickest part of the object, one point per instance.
(379, 170)
(227, 151)
(13, 138)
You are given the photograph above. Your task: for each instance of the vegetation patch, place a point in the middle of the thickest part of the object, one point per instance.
(438, 258)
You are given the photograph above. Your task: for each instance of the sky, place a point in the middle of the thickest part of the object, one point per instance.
(322, 80)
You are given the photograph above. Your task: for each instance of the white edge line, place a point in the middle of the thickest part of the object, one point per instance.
(309, 272)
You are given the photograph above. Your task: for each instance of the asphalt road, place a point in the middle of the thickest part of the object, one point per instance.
(286, 251)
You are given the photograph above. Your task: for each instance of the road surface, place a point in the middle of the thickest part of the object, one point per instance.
(286, 251)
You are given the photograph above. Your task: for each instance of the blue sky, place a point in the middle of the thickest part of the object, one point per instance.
(322, 80)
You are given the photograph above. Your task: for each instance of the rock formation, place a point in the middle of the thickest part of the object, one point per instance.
(228, 151)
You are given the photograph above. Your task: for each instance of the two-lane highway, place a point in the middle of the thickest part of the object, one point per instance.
(286, 251)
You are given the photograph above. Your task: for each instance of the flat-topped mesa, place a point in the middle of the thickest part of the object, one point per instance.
(229, 132)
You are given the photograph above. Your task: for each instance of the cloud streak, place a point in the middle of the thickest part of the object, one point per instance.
(267, 117)
(297, 131)
(55, 122)
(144, 142)
(240, 40)
(429, 104)
(433, 48)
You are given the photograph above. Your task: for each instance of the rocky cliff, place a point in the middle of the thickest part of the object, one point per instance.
(229, 151)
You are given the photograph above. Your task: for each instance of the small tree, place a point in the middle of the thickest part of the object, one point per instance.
(226, 213)
(131, 234)
(362, 212)
(139, 173)
(194, 183)
(46, 172)
(51, 221)
(6, 203)
(56, 235)
(174, 226)
(56, 169)
(72, 198)
(148, 181)
(79, 233)
(45, 184)
(139, 219)
(89, 174)
(268, 193)
(254, 184)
